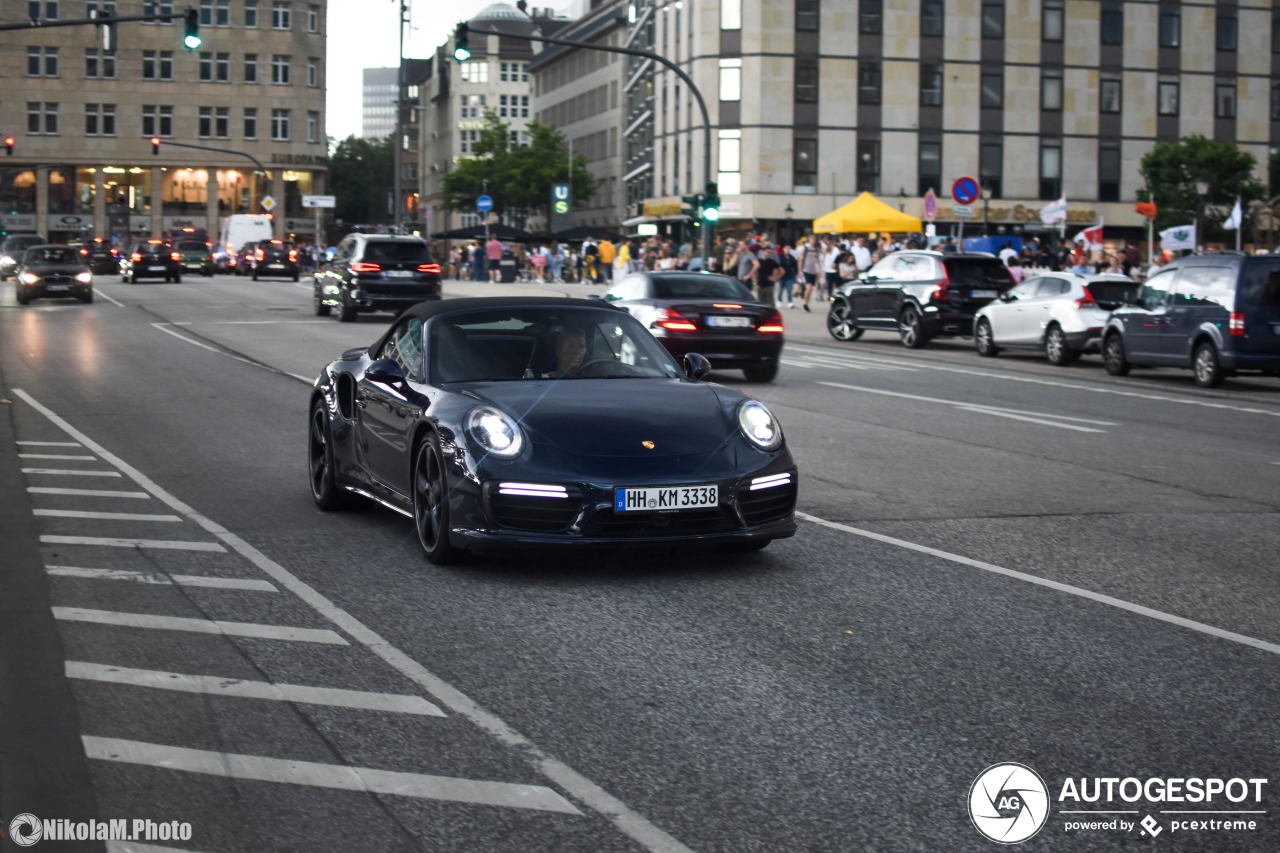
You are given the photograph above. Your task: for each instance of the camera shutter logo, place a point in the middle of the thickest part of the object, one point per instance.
(1009, 803)
(26, 829)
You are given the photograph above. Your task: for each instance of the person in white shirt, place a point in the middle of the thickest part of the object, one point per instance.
(830, 254)
(861, 254)
(1007, 253)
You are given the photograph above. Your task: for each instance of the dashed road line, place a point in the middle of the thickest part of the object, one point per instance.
(215, 686)
(49, 444)
(112, 542)
(204, 581)
(59, 472)
(59, 456)
(103, 516)
(1043, 418)
(88, 493)
(185, 339)
(199, 626)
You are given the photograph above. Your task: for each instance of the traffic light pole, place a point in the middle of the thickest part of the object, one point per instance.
(644, 54)
(83, 22)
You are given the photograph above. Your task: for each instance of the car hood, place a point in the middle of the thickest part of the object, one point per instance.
(614, 417)
(50, 269)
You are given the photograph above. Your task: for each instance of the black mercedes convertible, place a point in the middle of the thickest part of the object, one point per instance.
(515, 422)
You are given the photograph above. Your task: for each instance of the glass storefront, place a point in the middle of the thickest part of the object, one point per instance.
(17, 190)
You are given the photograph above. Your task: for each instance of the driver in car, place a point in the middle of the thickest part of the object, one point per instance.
(571, 348)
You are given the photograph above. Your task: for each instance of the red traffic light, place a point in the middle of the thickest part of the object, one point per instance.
(8, 145)
(155, 145)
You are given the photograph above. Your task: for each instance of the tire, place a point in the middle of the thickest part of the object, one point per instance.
(347, 311)
(22, 298)
(255, 275)
(1207, 367)
(177, 279)
(911, 328)
(324, 488)
(321, 309)
(984, 341)
(1056, 349)
(133, 278)
(87, 298)
(431, 503)
(1113, 357)
(297, 277)
(762, 373)
(840, 322)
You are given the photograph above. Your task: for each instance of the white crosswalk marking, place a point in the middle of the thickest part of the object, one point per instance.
(61, 472)
(104, 516)
(247, 584)
(198, 626)
(111, 542)
(86, 493)
(61, 456)
(49, 444)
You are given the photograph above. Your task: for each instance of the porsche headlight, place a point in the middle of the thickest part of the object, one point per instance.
(84, 277)
(29, 278)
(495, 431)
(759, 426)
(6, 259)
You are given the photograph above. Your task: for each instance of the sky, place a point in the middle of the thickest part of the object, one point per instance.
(362, 34)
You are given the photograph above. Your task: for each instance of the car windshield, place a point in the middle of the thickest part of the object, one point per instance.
(696, 287)
(537, 343)
(53, 255)
(383, 251)
(191, 246)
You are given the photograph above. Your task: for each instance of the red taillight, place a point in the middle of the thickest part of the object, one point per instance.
(136, 257)
(773, 324)
(84, 252)
(1087, 300)
(1235, 326)
(429, 269)
(177, 256)
(942, 291)
(365, 266)
(293, 254)
(668, 319)
(259, 255)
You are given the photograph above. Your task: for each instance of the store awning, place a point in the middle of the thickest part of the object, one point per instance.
(867, 213)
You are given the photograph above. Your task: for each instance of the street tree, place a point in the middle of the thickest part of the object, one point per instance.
(1171, 171)
(363, 172)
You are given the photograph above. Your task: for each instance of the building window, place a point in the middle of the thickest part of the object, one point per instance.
(869, 165)
(729, 147)
(42, 118)
(1170, 27)
(806, 81)
(91, 120)
(251, 68)
(313, 126)
(251, 14)
(49, 11)
(502, 106)
(204, 126)
(991, 166)
(1051, 22)
(222, 67)
(869, 82)
(731, 79)
(1112, 23)
(222, 13)
(164, 7)
(992, 88)
(524, 106)
(313, 19)
(804, 164)
(932, 18)
(313, 71)
(1228, 32)
(166, 121)
(99, 63)
(1051, 91)
(930, 84)
(993, 20)
(930, 167)
(148, 121)
(1275, 101)
(206, 13)
(474, 72)
(1275, 33)
(1224, 100)
(149, 69)
(93, 9)
(206, 67)
(42, 62)
(166, 65)
(871, 17)
(807, 15)
(1050, 170)
(280, 69)
(280, 125)
(222, 122)
(1108, 171)
(281, 15)
(731, 14)
(1167, 99)
(1110, 96)
(250, 122)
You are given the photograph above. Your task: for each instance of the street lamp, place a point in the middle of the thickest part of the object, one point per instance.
(1202, 190)
(986, 208)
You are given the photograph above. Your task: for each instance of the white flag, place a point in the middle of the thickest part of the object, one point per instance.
(1054, 212)
(1234, 220)
(1178, 237)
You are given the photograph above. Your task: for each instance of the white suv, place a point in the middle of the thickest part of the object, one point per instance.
(1061, 313)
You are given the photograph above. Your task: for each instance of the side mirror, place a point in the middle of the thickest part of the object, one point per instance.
(695, 366)
(385, 371)
(1007, 296)
(869, 279)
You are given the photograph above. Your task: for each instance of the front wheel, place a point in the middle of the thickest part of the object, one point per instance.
(840, 322)
(431, 503)
(984, 340)
(911, 328)
(1208, 368)
(761, 373)
(87, 298)
(1113, 357)
(1056, 348)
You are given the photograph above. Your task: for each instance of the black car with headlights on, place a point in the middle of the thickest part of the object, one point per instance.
(517, 422)
(52, 272)
(376, 272)
(706, 313)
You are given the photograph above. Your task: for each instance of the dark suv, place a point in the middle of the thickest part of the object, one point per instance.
(275, 257)
(921, 295)
(152, 258)
(1216, 314)
(376, 272)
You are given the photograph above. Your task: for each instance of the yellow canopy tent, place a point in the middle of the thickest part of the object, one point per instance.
(867, 213)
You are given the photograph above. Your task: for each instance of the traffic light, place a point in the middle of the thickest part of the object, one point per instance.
(711, 203)
(693, 207)
(8, 145)
(462, 43)
(155, 146)
(191, 40)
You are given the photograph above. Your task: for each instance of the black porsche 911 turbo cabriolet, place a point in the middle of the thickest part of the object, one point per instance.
(496, 422)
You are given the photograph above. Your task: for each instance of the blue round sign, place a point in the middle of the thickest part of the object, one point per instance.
(484, 204)
(965, 191)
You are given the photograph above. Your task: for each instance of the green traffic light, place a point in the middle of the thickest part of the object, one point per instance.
(191, 40)
(462, 43)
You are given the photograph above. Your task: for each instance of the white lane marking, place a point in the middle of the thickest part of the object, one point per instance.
(161, 327)
(1095, 390)
(199, 626)
(70, 473)
(791, 363)
(628, 821)
(341, 777)
(1098, 597)
(204, 581)
(88, 493)
(110, 542)
(845, 361)
(104, 516)
(112, 301)
(64, 457)
(48, 443)
(212, 685)
(1015, 414)
(264, 322)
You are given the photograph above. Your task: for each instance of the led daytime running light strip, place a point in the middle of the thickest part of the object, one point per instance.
(534, 490)
(771, 481)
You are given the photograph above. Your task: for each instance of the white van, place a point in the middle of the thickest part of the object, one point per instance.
(238, 229)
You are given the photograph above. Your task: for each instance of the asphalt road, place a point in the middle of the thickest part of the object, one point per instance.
(999, 561)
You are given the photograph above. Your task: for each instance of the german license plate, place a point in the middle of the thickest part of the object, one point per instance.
(666, 498)
(58, 287)
(985, 294)
(716, 321)
(155, 269)
(275, 266)
(399, 274)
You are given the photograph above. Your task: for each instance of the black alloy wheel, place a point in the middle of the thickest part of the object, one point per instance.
(1056, 348)
(984, 340)
(1113, 357)
(840, 322)
(911, 328)
(1208, 368)
(324, 488)
(431, 503)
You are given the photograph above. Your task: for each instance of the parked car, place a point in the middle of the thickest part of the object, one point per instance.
(706, 313)
(1217, 314)
(244, 257)
(13, 248)
(276, 258)
(52, 272)
(1059, 313)
(152, 258)
(376, 272)
(101, 256)
(196, 256)
(919, 294)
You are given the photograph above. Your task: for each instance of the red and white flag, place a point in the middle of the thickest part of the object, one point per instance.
(1091, 237)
